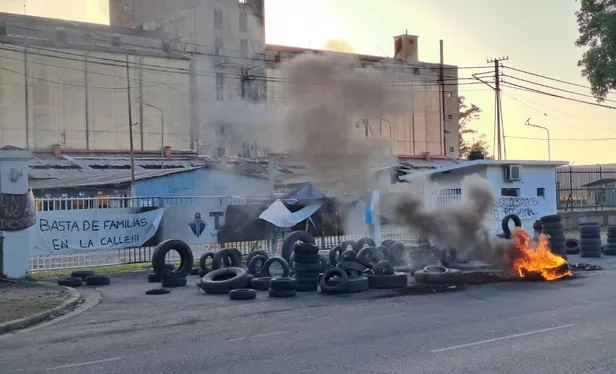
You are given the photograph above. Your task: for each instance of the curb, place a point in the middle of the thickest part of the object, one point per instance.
(22, 323)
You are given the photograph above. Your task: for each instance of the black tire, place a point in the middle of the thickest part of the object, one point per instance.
(590, 229)
(554, 232)
(351, 267)
(609, 250)
(289, 242)
(195, 271)
(590, 254)
(256, 253)
(307, 280)
(517, 222)
(173, 282)
(98, 280)
(238, 254)
(256, 264)
(261, 283)
(324, 262)
(226, 253)
(368, 242)
(385, 243)
(356, 284)
(345, 245)
(307, 268)
(203, 261)
(186, 259)
(305, 249)
(283, 283)
(588, 224)
(270, 261)
(348, 255)
(334, 255)
(242, 294)
(384, 282)
(537, 226)
(223, 280)
(170, 266)
(273, 292)
(396, 251)
(307, 287)
(202, 273)
(370, 255)
(157, 291)
(72, 282)
(383, 268)
(154, 278)
(83, 274)
(306, 259)
(339, 288)
(550, 218)
(434, 274)
(551, 226)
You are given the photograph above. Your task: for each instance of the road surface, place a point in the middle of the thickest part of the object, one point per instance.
(557, 327)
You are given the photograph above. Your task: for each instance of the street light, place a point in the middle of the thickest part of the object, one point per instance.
(162, 128)
(527, 123)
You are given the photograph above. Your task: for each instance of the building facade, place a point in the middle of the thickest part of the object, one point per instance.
(65, 83)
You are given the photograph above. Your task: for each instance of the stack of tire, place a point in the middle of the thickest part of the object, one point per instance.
(78, 277)
(307, 265)
(383, 276)
(260, 268)
(590, 239)
(537, 226)
(551, 226)
(354, 279)
(293, 238)
(283, 287)
(610, 247)
(170, 276)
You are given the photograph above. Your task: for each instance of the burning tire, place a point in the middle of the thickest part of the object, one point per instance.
(517, 222)
(435, 274)
(390, 281)
(290, 241)
(572, 246)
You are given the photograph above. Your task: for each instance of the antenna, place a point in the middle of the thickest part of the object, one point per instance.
(385, 53)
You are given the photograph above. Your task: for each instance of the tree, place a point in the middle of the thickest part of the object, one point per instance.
(467, 114)
(597, 26)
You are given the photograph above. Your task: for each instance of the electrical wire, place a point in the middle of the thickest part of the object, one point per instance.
(555, 88)
(565, 139)
(546, 77)
(528, 89)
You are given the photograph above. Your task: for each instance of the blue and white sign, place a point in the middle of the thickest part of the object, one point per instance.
(193, 225)
(94, 229)
(372, 203)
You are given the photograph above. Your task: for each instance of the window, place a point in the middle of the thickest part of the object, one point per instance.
(510, 192)
(243, 48)
(62, 36)
(218, 19)
(115, 41)
(540, 192)
(219, 87)
(2, 29)
(243, 22)
(218, 46)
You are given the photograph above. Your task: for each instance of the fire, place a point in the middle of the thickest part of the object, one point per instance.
(529, 257)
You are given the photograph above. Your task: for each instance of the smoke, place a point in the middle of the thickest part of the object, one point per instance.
(461, 225)
(330, 104)
(338, 45)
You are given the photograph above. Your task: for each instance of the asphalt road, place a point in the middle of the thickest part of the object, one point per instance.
(557, 327)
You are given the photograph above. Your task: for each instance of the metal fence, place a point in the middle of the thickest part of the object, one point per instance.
(586, 188)
(272, 244)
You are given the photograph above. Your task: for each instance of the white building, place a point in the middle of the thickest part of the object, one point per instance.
(524, 188)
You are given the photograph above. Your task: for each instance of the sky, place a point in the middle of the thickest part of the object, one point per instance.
(537, 36)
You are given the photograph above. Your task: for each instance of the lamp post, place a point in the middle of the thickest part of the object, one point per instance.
(527, 123)
(162, 129)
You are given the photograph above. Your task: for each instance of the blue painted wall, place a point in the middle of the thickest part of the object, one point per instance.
(202, 182)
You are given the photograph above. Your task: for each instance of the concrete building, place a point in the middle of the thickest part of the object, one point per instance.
(426, 129)
(226, 41)
(65, 83)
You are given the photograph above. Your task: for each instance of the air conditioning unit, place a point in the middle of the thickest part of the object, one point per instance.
(513, 172)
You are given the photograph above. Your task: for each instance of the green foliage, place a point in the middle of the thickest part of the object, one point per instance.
(467, 114)
(597, 26)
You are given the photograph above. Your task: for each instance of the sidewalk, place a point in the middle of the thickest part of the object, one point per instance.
(26, 303)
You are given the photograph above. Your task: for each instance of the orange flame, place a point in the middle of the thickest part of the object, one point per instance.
(535, 257)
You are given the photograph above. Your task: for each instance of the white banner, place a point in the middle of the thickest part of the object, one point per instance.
(193, 225)
(523, 207)
(94, 229)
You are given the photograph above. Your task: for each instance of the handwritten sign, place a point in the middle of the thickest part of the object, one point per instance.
(523, 207)
(94, 229)
(197, 225)
(17, 211)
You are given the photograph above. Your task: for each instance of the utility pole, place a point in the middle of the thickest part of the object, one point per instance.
(444, 130)
(130, 131)
(500, 132)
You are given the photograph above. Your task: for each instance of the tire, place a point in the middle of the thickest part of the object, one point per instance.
(385, 282)
(590, 229)
(186, 259)
(537, 226)
(307, 287)
(307, 268)
(98, 280)
(260, 284)
(203, 261)
(351, 267)
(307, 280)
(242, 294)
(305, 249)
(157, 291)
(283, 283)
(370, 255)
(195, 271)
(433, 274)
(306, 259)
(345, 245)
(364, 242)
(348, 255)
(383, 268)
(517, 222)
(341, 287)
(554, 232)
(550, 226)
(396, 250)
(238, 254)
(356, 284)
(223, 280)
(154, 278)
(256, 265)
(267, 266)
(83, 274)
(334, 255)
(173, 282)
(72, 282)
(590, 254)
(550, 218)
(202, 273)
(386, 243)
(226, 253)
(256, 253)
(289, 242)
(610, 250)
(282, 293)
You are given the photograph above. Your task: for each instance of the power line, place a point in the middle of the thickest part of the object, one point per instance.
(554, 88)
(565, 139)
(546, 77)
(528, 89)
